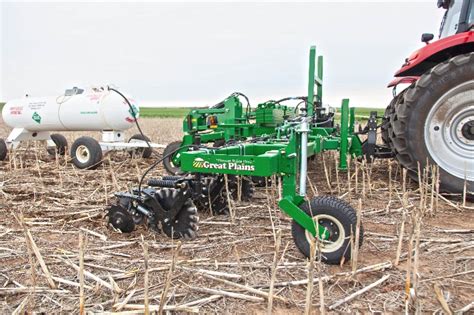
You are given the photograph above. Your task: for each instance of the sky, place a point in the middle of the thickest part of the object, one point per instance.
(195, 54)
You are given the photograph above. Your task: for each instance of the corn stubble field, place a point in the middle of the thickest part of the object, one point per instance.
(51, 215)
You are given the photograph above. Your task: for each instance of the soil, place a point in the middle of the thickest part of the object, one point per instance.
(47, 197)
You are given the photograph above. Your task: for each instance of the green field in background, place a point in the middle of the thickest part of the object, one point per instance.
(162, 112)
(180, 112)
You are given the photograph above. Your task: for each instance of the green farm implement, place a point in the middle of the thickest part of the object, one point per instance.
(226, 122)
(273, 140)
(230, 122)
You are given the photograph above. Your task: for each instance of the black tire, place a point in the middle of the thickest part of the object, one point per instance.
(3, 150)
(338, 215)
(411, 113)
(141, 152)
(168, 161)
(387, 128)
(86, 153)
(61, 144)
(386, 121)
(218, 143)
(185, 224)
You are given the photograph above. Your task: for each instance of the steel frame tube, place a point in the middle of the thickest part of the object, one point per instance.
(304, 156)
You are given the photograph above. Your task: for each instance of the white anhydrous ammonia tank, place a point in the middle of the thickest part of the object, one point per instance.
(92, 109)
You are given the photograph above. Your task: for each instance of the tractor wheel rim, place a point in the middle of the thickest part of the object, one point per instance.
(337, 234)
(449, 131)
(82, 154)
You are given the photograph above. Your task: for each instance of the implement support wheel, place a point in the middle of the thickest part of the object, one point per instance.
(340, 220)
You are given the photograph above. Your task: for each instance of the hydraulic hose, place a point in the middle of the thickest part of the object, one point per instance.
(132, 111)
(158, 162)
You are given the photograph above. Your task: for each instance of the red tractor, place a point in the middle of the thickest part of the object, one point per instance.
(432, 120)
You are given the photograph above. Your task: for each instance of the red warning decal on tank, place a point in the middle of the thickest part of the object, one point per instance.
(94, 97)
(16, 110)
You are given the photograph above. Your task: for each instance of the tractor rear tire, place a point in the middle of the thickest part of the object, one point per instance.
(86, 153)
(434, 123)
(61, 144)
(341, 221)
(3, 150)
(386, 128)
(169, 153)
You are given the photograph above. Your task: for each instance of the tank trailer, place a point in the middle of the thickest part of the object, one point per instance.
(101, 109)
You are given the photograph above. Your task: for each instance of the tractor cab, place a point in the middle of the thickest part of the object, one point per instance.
(459, 17)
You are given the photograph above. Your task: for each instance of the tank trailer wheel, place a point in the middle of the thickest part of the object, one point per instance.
(3, 150)
(140, 152)
(185, 224)
(339, 218)
(168, 161)
(61, 144)
(435, 124)
(120, 219)
(86, 153)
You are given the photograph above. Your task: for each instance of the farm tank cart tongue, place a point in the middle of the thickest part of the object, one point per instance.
(432, 120)
(170, 203)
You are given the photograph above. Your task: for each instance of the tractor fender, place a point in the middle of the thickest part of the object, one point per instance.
(434, 53)
(399, 80)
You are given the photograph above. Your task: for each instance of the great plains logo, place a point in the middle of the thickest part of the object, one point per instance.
(234, 166)
(198, 163)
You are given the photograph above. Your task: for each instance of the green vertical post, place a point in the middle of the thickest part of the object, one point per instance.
(311, 79)
(344, 134)
(319, 80)
(352, 120)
